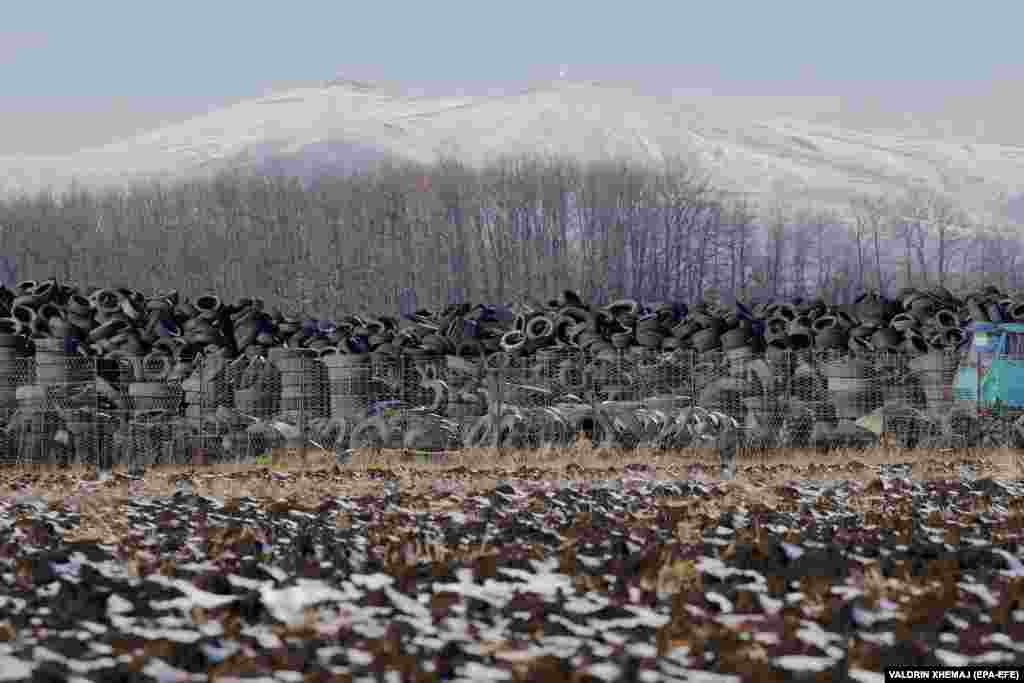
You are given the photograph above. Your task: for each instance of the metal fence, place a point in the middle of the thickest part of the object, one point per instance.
(70, 408)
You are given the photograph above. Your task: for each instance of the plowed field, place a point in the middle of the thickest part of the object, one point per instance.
(574, 566)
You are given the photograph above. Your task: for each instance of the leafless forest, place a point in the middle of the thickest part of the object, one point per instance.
(403, 236)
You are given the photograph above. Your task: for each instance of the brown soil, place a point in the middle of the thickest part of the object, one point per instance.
(577, 565)
(305, 477)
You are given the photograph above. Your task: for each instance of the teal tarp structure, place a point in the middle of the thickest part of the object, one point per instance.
(997, 360)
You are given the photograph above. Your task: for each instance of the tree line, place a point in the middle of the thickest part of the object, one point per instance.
(402, 235)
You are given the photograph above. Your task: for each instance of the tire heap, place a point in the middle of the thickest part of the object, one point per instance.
(161, 368)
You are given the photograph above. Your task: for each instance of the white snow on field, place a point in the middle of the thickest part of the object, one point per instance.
(745, 147)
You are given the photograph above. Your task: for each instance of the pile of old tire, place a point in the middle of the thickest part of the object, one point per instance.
(874, 350)
(728, 357)
(99, 321)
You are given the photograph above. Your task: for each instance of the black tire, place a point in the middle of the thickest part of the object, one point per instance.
(832, 338)
(735, 338)
(707, 340)
(887, 339)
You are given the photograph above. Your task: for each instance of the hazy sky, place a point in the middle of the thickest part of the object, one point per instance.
(76, 74)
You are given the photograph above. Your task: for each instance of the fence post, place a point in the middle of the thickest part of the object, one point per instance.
(788, 360)
(692, 353)
(303, 397)
(499, 398)
(201, 420)
(618, 372)
(94, 447)
(590, 386)
(764, 418)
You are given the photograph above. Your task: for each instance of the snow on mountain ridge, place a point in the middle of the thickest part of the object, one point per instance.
(744, 150)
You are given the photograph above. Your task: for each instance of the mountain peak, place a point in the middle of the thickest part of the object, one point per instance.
(744, 145)
(352, 84)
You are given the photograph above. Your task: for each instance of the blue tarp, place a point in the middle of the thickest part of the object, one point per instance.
(996, 360)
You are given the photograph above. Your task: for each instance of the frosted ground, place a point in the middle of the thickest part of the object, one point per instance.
(652, 575)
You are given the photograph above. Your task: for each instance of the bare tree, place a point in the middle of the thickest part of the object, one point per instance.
(871, 216)
(776, 247)
(740, 223)
(929, 217)
(399, 232)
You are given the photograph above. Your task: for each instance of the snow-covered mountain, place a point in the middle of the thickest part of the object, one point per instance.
(745, 144)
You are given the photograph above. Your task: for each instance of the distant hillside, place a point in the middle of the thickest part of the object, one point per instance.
(753, 145)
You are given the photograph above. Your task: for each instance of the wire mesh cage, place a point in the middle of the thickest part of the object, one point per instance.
(61, 406)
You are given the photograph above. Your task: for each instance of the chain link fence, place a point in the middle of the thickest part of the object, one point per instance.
(60, 407)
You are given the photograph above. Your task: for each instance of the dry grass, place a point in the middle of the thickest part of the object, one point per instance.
(306, 479)
(311, 474)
